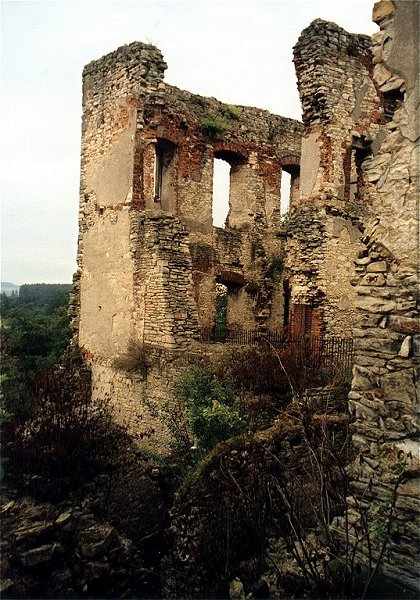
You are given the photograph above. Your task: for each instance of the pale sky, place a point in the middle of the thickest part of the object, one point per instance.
(239, 51)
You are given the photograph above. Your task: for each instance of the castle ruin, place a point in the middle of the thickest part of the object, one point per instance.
(150, 258)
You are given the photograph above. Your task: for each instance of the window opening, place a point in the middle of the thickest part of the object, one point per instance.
(226, 185)
(286, 180)
(221, 191)
(392, 101)
(221, 310)
(353, 174)
(165, 151)
(289, 187)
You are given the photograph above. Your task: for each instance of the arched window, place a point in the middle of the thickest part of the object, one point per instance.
(228, 185)
(221, 191)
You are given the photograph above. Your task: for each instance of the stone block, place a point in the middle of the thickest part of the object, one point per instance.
(405, 349)
(377, 267)
(382, 10)
(375, 305)
(404, 324)
(35, 531)
(96, 540)
(373, 279)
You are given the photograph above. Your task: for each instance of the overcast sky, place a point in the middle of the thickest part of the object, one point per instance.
(237, 50)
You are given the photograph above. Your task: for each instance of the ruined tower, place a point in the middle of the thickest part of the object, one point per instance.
(340, 111)
(149, 255)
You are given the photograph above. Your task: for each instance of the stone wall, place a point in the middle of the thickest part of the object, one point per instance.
(149, 257)
(384, 396)
(256, 145)
(340, 111)
(165, 312)
(114, 88)
(254, 142)
(139, 386)
(150, 146)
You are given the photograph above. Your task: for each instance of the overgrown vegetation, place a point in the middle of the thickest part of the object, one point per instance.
(237, 503)
(67, 438)
(255, 481)
(212, 412)
(44, 294)
(232, 112)
(337, 541)
(221, 309)
(134, 359)
(274, 268)
(214, 127)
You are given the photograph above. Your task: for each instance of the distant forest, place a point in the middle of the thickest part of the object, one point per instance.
(43, 293)
(34, 331)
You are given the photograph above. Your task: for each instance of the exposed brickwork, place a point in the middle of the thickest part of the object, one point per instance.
(165, 313)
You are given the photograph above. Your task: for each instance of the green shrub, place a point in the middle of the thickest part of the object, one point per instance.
(34, 333)
(221, 312)
(232, 112)
(211, 410)
(214, 127)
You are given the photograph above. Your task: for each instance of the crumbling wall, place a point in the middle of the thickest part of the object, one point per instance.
(384, 396)
(256, 145)
(254, 142)
(149, 257)
(165, 312)
(340, 111)
(114, 88)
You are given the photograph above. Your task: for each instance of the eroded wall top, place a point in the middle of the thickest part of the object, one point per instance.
(326, 54)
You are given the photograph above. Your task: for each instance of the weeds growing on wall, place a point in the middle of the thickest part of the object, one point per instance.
(232, 112)
(214, 127)
(202, 411)
(274, 268)
(134, 359)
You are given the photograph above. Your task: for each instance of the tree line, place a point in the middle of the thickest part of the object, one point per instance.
(34, 332)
